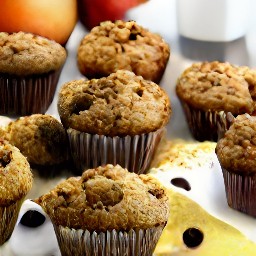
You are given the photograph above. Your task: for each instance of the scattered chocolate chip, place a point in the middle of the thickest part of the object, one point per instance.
(5, 158)
(123, 49)
(181, 183)
(82, 105)
(158, 193)
(140, 93)
(193, 237)
(32, 219)
(132, 36)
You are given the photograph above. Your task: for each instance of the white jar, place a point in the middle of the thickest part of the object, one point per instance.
(213, 20)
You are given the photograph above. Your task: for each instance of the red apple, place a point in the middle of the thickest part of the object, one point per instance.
(92, 12)
(54, 19)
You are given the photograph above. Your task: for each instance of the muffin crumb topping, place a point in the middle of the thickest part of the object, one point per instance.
(106, 198)
(218, 86)
(117, 105)
(236, 151)
(112, 46)
(15, 174)
(26, 54)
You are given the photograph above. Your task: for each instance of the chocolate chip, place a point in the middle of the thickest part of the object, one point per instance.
(5, 158)
(32, 219)
(83, 102)
(193, 237)
(158, 193)
(133, 36)
(140, 93)
(181, 183)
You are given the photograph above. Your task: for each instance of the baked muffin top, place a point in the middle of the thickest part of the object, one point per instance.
(15, 175)
(107, 198)
(122, 45)
(117, 105)
(236, 151)
(41, 138)
(27, 54)
(218, 86)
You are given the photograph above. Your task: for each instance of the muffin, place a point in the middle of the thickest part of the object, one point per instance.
(41, 138)
(107, 211)
(236, 153)
(122, 45)
(30, 67)
(208, 91)
(118, 119)
(15, 182)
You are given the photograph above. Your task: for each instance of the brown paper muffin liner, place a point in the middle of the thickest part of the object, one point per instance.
(207, 125)
(240, 191)
(140, 242)
(20, 96)
(132, 152)
(8, 216)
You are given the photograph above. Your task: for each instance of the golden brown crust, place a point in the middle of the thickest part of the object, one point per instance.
(122, 45)
(15, 175)
(120, 104)
(27, 54)
(236, 151)
(41, 138)
(218, 86)
(107, 198)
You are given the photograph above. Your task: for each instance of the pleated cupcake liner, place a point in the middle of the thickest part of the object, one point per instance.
(240, 191)
(132, 152)
(76, 242)
(8, 215)
(20, 96)
(207, 125)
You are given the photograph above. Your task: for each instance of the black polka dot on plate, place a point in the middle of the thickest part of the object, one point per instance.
(193, 237)
(32, 219)
(181, 183)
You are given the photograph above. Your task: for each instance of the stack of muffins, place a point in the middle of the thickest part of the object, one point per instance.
(119, 115)
(219, 103)
(110, 127)
(30, 66)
